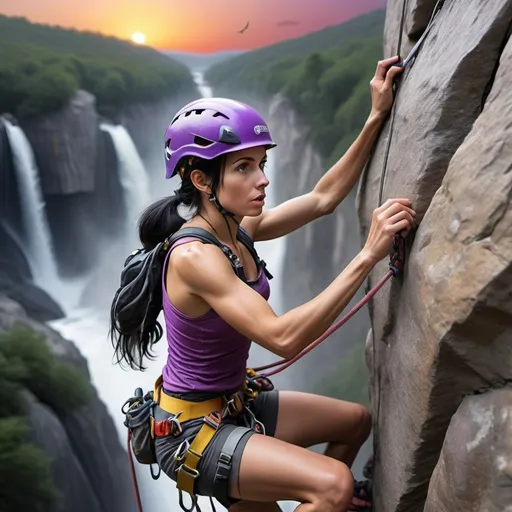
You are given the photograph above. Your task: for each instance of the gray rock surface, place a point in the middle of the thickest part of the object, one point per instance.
(65, 146)
(443, 329)
(68, 475)
(474, 472)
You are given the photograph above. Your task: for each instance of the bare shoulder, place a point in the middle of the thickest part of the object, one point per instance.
(251, 224)
(201, 265)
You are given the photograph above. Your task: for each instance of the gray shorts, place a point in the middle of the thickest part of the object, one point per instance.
(265, 408)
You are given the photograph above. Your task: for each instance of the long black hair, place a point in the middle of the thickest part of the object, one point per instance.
(134, 328)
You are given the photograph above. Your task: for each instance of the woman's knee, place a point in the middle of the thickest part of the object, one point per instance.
(365, 422)
(335, 489)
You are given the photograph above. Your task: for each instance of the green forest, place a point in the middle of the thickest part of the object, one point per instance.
(27, 363)
(325, 75)
(42, 66)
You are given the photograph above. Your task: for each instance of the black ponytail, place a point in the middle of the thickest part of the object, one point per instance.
(134, 327)
(160, 220)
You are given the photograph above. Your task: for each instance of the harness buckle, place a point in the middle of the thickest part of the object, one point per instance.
(193, 473)
(174, 422)
(235, 405)
(213, 419)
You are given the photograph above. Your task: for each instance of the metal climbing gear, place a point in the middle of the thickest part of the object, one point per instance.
(212, 411)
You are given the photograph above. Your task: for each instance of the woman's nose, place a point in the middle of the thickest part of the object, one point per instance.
(263, 181)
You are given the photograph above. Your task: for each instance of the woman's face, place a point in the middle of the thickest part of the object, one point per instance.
(242, 189)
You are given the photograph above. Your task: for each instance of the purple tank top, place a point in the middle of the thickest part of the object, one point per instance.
(205, 354)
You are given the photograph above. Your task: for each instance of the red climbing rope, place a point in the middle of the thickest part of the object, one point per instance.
(134, 476)
(396, 263)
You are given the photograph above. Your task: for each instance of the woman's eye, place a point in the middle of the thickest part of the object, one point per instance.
(263, 165)
(242, 168)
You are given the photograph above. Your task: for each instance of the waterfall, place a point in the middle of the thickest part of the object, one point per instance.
(133, 178)
(37, 236)
(204, 89)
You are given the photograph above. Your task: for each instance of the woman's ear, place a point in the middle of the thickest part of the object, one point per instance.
(199, 181)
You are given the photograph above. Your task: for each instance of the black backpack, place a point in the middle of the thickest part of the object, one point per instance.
(138, 300)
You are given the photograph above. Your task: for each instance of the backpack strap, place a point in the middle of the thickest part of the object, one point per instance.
(245, 238)
(207, 238)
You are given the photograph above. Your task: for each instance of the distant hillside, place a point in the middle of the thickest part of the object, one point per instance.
(41, 66)
(325, 74)
(367, 25)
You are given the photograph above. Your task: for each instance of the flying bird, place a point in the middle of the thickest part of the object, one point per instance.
(244, 29)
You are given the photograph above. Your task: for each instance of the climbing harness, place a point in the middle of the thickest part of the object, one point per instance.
(143, 429)
(407, 63)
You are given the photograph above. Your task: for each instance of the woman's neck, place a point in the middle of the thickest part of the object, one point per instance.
(224, 228)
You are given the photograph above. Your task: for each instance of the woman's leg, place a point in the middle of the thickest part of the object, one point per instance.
(272, 470)
(306, 420)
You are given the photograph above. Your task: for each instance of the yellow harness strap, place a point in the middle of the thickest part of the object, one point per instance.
(185, 410)
(187, 472)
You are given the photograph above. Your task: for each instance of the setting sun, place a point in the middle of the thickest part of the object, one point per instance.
(139, 38)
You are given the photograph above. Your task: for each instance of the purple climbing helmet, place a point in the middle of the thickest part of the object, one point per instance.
(210, 127)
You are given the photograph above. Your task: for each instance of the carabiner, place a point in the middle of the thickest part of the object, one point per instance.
(176, 428)
(256, 425)
(181, 451)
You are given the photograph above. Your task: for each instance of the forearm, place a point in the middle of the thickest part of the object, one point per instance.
(300, 327)
(339, 180)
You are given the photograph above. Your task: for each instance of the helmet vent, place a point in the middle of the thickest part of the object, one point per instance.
(200, 141)
(168, 150)
(220, 114)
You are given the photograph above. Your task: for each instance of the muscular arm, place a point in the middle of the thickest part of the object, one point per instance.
(207, 274)
(327, 194)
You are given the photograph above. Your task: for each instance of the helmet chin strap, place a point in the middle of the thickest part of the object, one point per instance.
(213, 198)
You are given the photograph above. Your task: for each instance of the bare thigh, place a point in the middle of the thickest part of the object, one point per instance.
(273, 470)
(305, 419)
(281, 468)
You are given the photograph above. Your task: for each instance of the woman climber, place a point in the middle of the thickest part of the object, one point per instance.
(250, 453)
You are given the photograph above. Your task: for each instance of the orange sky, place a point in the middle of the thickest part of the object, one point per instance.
(197, 26)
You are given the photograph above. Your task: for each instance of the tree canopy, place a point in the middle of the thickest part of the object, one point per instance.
(42, 66)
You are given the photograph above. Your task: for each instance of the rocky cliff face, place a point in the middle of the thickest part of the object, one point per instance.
(65, 146)
(442, 331)
(90, 469)
(316, 254)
